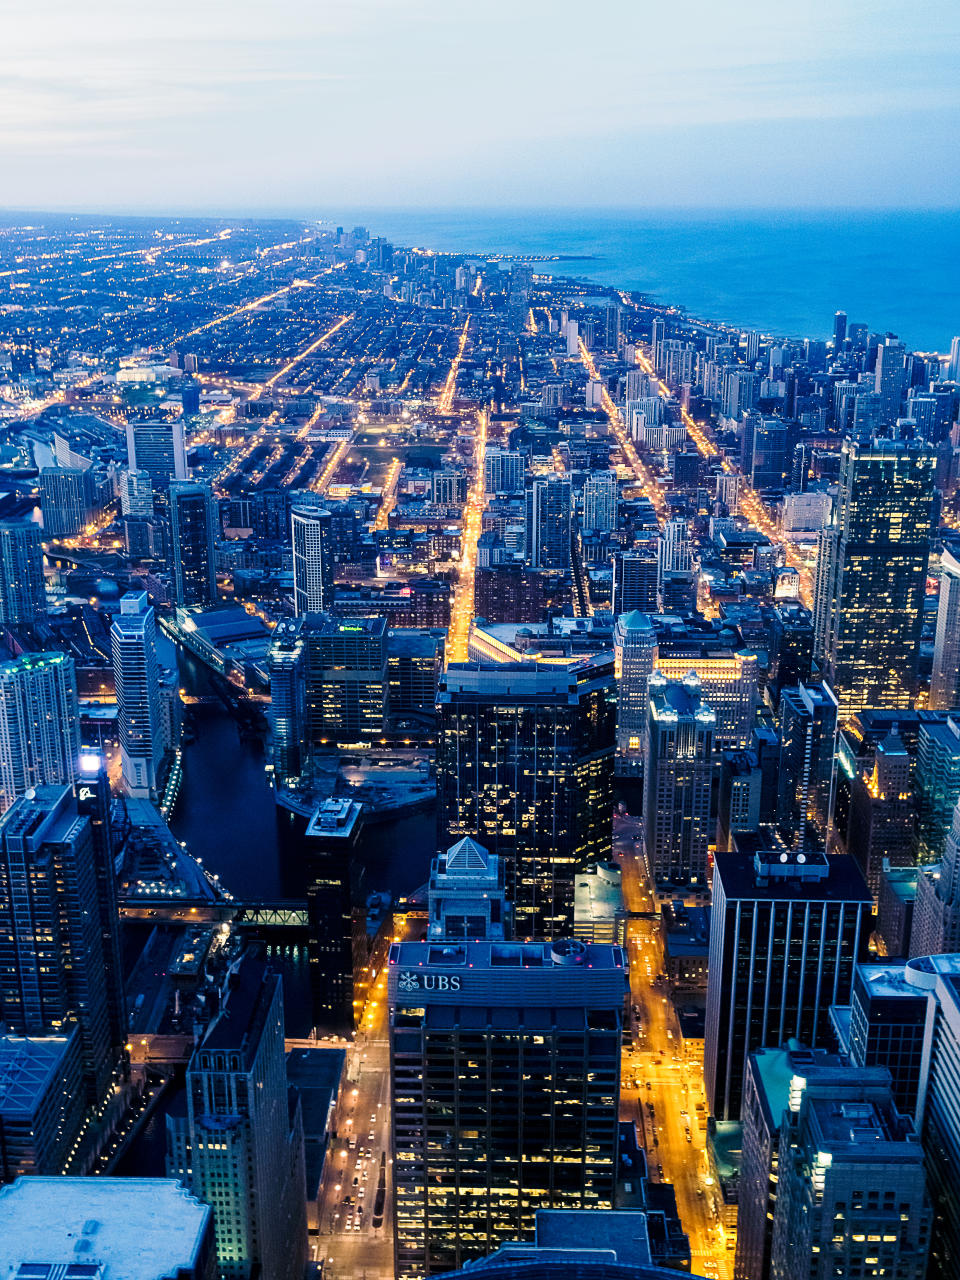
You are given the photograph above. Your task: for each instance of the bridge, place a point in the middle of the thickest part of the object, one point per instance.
(290, 914)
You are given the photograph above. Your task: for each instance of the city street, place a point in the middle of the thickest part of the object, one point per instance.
(662, 1093)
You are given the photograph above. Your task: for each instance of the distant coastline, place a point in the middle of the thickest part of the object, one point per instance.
(782, 273)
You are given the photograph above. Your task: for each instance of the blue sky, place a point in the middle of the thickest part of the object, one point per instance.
(299, 104)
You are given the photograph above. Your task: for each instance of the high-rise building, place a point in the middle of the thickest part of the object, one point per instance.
(635, 580)
(467, 897)
(329, 857)
(884, 1027)
(23, 598)
(600, 501)
(800, 919)
(133, 637)
(926, 988)
(945, 680)
(808, 731)
(936, 784)
(51, 952)
(345, 680)
(136, 494)
(238, 1139)
(548, 517)
(676, 549)
(505, 1091)
(41, 1103)
(839, 329)
(611, 327)
(157, 448)
(776, 1081)
(678, 776)
(95, 802)
(39, 723)
(312, 555)
(192, 531)
(525, 766)
(871, 574)
(95, 1228)
(635, 652)
(503, 471)
(890, 379)
(879, 831)
(851, 1191)
(64, 501)
(936, 912)
(285, 662)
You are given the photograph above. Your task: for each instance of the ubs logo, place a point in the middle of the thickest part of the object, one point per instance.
(410, 981)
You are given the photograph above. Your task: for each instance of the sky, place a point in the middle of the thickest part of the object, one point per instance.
(300, 105)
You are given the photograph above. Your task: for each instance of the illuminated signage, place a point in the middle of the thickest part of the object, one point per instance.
(410, 980)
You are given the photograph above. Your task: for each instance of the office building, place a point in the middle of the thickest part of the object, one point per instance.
(884, 1028)
(503, 471)
(345, 680)
(312, 555)
(936, 912)
(525, 767)
(285, 664)
(945, 679)
(800, 919)
(329, 856)
(839, 329)
(851, 1191)
(95, 802)
(600, 502)
(791, 647)
(23, 598)
(548, 508)
(133, 638)
(104, 1229)
(635, 580)
(158, 449)
(740, 796)
(39, 723)
(414, 663)
(675, 548)
(41, 1103)
(872, 572)
(192, 531)
(775, 1083)
(240, 1139)
(635, 651)
(449, 488)
(890, 379)
(136, 494)
(64, 501)
(937, 784)
(878, 830)
(521, 1042)
(611, 326)
(51, 951)
(678, 774)
(467, 899)
(808, 730)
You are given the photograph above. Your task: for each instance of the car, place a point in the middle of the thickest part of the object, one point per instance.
(356, 1181)
(371, 1136)
(373, 1118)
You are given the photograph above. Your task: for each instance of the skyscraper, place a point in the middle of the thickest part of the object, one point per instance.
(945, 680)
(678, 775)
(39, 723)
(133, 637)
(192, 526)
(936, 784)
(157, 448)
(800, 919)
(345, 679)
(525, 767)
(635, 580)
(136, 494)
(851, 1191)
(243, 1148)
(635, 652)
(503, 471)
(890, 379)
(23, 598)
(839, 329)
(548, 506)
(936, 913)
(285, 662)
(611, 327)
(600, 501)
(51, 953)
(467, 898)
(64, 501)
(312, 555)
(504, 1065)
(871, 574)
(808, 730)
(329, 857)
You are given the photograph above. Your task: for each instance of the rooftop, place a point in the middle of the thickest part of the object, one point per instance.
(28, 1065)
(89, 1222)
